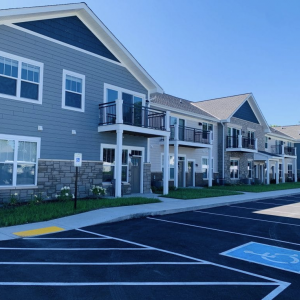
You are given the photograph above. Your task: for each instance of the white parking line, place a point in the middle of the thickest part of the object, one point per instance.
(226, 231)
(231, 216)
(257, 209)
(135, 283)
(103, 264)
(66, 238)
(276, 204)
(77, 249)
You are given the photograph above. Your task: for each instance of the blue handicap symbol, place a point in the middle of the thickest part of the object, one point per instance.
(77, 159)
(273, 256)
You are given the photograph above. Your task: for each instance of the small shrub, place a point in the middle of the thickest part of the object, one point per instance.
(36, 199)
(65, 194)
(98, 191)
(14, 199)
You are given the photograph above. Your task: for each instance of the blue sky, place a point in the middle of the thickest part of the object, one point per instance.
(204, 49)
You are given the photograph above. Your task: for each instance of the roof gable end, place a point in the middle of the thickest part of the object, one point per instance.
(246, 113)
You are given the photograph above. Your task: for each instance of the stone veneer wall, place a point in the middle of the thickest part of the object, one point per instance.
(54, 174)
(147, 178)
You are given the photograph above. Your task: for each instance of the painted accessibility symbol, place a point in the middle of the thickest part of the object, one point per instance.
(273, 257)
(267, 255)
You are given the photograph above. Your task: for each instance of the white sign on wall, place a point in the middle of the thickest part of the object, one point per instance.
(77, 159)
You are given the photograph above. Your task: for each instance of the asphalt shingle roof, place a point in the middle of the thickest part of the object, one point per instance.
(290, 130)
(274, 130)
(222, 108)
(178, 103)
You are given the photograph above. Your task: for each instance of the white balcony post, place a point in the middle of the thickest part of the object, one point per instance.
(256, 144)
(282, 149)
(268, 171)
(277, 171)
(210, 137)
(283, 171)
(119, 111)
(295, 170)
(240, 141)
(209, 167)
(176, 137)
(166, 156)
(118, 164)
(295, 151)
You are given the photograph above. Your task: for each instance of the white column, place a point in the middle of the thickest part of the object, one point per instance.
(240, 141)
(209, 166)
(283, 170)
(118, 163)
(262, 173)
(268, 171)
(176, 138)
(119, 111)
(277, 171)
(256, 144)
(166, 166)
(295, 170)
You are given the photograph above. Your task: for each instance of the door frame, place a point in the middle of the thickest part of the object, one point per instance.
(141, 171)
(194, 173)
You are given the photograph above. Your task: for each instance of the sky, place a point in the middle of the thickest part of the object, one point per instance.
(205, 49)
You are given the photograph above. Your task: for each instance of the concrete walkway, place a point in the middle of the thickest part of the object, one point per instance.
(115, 214)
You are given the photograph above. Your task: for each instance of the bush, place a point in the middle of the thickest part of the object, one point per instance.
(65, 194)
(98, 191)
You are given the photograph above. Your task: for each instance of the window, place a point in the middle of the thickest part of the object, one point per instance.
(73, 91)
(250, 167)
(18, 160)
(205, 167)
(171, 166)
(173, 122)
(109, 165)
(280, 170)
(266, 142)
(234, 169)
(208, 127)
(20, 78)
(290, 170)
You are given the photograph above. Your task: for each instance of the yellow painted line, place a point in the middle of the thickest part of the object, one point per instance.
(39, 231)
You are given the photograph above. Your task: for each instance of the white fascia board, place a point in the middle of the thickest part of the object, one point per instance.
(184, 113)
(86, 15)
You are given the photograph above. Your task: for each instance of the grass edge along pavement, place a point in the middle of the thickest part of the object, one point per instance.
(188, 193)
(258, 188)
(28, 213)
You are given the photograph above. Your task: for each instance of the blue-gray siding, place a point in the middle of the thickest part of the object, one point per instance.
(57, 142)
(69, 30)
(245, 112)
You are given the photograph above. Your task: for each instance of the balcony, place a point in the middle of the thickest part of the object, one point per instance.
(190, 137)
(283, 150)
(134, 118)
(241, 144)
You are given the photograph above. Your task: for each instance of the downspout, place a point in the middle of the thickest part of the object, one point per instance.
(223, 153)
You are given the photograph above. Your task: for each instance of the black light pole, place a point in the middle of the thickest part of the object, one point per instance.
(76, 179)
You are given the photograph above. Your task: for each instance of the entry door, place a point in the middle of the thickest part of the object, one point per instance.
(235, 134)
(190, 177)
(180, 173)
(136, 174)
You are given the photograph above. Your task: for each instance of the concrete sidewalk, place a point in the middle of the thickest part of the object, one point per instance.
(115, 214)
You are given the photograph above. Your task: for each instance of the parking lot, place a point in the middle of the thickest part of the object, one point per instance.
(241, 251)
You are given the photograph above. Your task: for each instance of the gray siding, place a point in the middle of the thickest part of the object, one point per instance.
(57, 142)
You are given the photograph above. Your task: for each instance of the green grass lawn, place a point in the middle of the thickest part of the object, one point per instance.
(190, 193)
(258, 188)
(15, 215)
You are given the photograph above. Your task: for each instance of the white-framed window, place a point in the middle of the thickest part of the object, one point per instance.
(234, 168)
(21, 78)
(290, 170)
(109, 164)
(73, 91)
(280, 170)
(266, 142)
(18, 160)
(208, 127)
(204, 166)
(250, 169)
(171, 166)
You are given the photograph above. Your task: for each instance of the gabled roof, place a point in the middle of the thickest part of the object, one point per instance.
(292, 131)
(86, 15)
(178, 104)
(222, 108)
(278, 133)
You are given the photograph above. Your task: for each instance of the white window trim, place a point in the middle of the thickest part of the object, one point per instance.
(120, 91)
(212, 165)
(17, 139)
(250, 160)
(129, 148)
(63, 104)
(18, 79)
(238, 160)
(172, 154)
(289, 164)
(212, 131)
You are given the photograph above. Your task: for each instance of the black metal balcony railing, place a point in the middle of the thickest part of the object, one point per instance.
(189, 134)
(133, 114)
(233, 142)
(277, 149)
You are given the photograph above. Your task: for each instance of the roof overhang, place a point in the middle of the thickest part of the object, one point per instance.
(87, 16)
